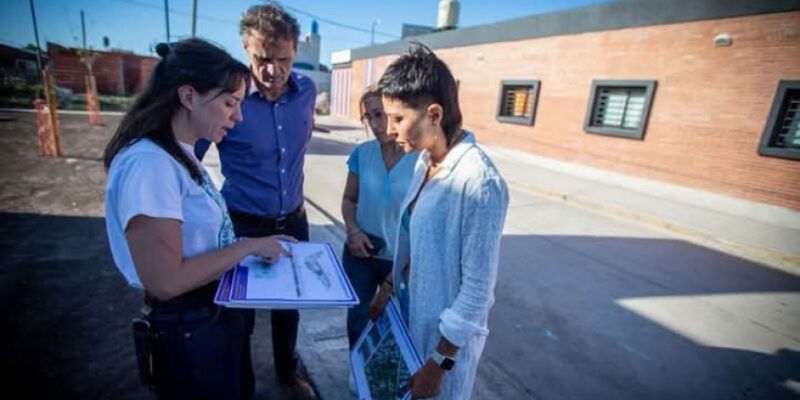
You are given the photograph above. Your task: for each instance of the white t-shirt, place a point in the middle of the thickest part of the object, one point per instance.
(146, 180)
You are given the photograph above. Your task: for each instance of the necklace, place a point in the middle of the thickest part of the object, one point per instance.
(455, 141)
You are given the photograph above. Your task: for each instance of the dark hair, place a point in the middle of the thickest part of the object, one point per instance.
(419, 79)
(193, 62)
(270, 20)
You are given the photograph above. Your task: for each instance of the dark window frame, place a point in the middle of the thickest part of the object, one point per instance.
(528, 119)
(776, 114)
(638, 133)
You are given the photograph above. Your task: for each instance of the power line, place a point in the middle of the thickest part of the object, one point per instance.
(171, 10)
(236, 23)
(339, 24)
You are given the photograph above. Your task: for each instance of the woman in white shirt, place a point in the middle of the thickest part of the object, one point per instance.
(448, 243)
(168, 227)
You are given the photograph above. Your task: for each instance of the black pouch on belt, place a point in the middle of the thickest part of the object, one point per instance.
(144, 340)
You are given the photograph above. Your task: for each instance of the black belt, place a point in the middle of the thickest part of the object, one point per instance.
(274, 224)
(192, 306)
(187, 316)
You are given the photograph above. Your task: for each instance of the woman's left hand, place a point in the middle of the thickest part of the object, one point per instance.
(427, 381)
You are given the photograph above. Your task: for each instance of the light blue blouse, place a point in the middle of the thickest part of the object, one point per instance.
(380, 192)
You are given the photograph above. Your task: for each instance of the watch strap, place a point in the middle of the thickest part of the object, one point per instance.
(443, 361)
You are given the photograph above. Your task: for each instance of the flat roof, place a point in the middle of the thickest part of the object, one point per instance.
(593, 18)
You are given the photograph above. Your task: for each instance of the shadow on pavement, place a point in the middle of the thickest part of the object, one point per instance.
(336, 127)
(68, 313)
(561, 311)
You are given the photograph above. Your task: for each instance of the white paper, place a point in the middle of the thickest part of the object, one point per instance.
(311, 277)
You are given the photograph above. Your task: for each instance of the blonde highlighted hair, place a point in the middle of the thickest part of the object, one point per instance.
(370, 91)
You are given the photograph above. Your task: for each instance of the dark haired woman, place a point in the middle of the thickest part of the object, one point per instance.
(452, 219)
(168, 228)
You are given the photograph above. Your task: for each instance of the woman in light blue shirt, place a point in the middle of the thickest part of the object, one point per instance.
(379, 176)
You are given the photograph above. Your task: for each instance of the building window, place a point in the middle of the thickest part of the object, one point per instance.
(619, 108)
(517, 103)
(781, 137)
(26, 65)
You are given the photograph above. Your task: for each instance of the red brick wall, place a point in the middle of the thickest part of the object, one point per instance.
(708, 114)
(115, 73)
(137, 71)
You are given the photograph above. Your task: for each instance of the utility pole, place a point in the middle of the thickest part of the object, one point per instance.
(36, 34)
(194, 17)
(47, 129)
(166, 14)
(372, 31)
(83, 29)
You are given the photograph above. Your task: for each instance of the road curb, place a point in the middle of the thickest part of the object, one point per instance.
(770, 258)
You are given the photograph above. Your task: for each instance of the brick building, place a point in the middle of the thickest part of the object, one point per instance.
(700, 94)
(116, 72)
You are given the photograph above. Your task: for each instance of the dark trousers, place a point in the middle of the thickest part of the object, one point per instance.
(202, 351)
(284, 322)
(365, 274)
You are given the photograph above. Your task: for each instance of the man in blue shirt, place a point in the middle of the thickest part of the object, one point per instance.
(262, 159)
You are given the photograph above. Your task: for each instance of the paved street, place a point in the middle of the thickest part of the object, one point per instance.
(589, 304)
(593, 306)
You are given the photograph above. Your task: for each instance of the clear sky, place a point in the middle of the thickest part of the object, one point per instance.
(137, 25)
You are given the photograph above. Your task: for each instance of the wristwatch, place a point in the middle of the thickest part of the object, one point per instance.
(445, 362)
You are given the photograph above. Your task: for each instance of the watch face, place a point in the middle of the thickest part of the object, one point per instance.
(447, 364)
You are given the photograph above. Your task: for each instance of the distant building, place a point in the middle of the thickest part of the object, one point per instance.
(307, 60)
(18, 65)
(116, 72)
(411, 30)
(703, 94)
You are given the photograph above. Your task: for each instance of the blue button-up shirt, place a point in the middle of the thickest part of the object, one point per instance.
(262, 156)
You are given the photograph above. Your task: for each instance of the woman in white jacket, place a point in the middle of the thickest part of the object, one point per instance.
(448, 242)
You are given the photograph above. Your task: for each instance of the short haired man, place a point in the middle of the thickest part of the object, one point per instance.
(262, 158)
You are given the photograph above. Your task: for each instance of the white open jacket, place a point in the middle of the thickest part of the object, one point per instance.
(452, 243)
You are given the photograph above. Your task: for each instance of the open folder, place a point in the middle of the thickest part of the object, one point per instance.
(384, 357)
(312, 277)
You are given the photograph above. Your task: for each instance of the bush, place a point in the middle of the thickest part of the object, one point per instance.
(323, 104)
(107, 102)
(22, 95)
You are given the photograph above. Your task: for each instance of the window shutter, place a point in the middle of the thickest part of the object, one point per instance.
(788, 134)
(620, 107)
(516, 101)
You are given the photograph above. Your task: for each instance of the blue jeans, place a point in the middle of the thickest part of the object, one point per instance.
(366, 275)
(202, 350)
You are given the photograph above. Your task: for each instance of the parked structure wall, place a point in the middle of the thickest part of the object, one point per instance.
(708, 113)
